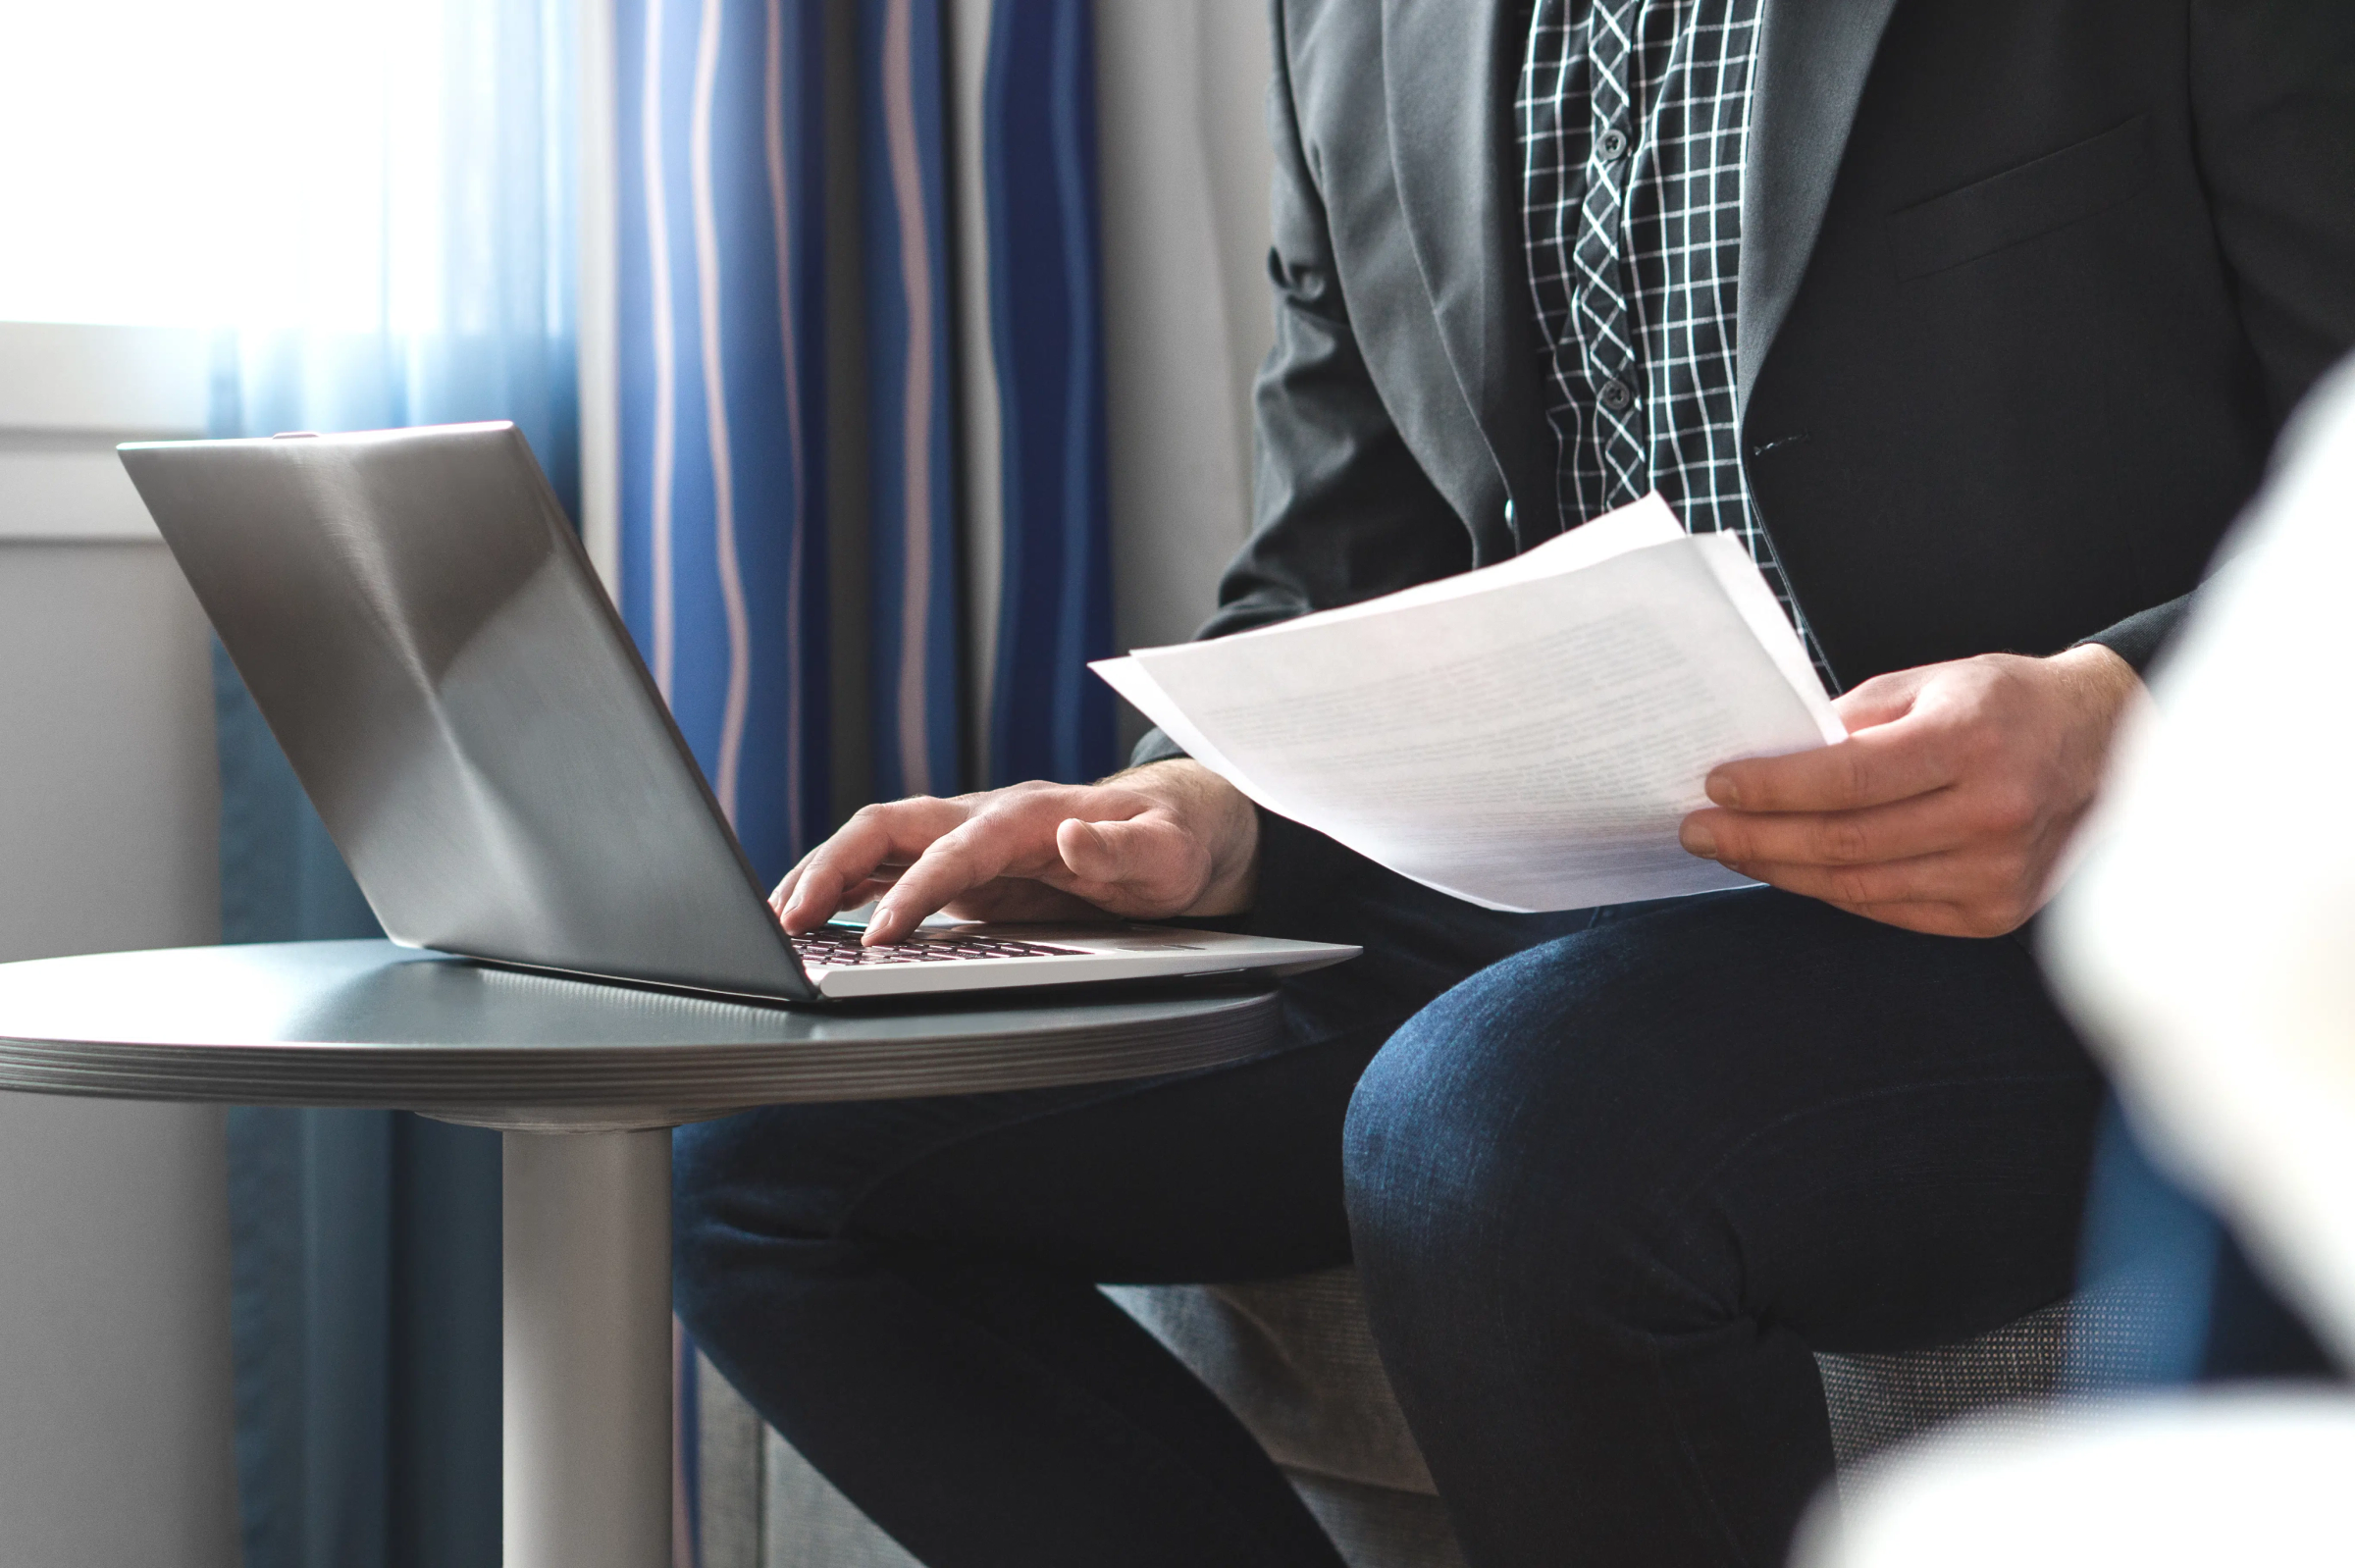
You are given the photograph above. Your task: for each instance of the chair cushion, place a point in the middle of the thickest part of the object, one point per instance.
(1295, 1360)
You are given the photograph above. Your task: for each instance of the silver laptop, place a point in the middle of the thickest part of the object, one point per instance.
(420, 627)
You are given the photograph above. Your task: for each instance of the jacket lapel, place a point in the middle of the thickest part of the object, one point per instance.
(1813, 64)
(1448, 72)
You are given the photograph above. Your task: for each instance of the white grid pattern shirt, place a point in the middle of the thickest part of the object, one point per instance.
(1634, 122)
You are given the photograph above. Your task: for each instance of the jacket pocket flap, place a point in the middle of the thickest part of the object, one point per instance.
(2023, 203)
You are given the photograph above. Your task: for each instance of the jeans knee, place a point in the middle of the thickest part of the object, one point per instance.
(1428, 1147)
(704, 1242)
(759, 1202)
(1493, 1149)
(1380, 1143)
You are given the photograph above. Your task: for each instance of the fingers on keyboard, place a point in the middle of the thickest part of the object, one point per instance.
(832, 952)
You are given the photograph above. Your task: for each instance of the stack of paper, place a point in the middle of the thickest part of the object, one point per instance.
(1528, 736)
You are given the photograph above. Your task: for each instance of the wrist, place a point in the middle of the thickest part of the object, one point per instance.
(2099, 689)
(2103, 680)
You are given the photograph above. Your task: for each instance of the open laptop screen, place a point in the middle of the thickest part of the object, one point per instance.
(420, 628)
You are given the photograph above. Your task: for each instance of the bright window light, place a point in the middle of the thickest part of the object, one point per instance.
(252, 163)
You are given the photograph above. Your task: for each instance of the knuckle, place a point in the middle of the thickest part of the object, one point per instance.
(1843, 841)
(986, 813)
(961, 848)
(994, 810)
(945, 858)
(1032, 800)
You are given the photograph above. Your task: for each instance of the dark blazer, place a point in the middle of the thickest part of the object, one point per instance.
(2027, 288)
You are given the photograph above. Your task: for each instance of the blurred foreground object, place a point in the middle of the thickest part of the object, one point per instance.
(2206, 946)
(2191, 1480)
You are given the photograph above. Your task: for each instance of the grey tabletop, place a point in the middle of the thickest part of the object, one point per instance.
(367, 1024)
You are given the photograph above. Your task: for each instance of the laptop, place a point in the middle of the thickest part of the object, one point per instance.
(421, 629)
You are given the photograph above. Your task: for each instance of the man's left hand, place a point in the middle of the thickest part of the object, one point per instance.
(1948, 804)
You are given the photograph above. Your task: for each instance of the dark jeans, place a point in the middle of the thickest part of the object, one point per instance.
(1607, 1194)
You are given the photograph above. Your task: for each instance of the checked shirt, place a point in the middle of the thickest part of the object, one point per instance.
(1634, 124)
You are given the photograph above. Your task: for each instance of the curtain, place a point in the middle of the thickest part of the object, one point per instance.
(858, 565)
(735, 536)
(723, 399)
(912, 532)
(432, 283)
(1050, 718)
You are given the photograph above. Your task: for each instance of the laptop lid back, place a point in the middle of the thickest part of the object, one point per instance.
(422, 631)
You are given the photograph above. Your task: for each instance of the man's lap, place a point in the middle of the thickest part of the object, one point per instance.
(1237, 1172)
(1872, 1137)
(1229, 1173)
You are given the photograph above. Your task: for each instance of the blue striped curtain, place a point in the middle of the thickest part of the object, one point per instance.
(723, 399)
(726, 415)
(724, 407)
(1049, 718)
(911, 529)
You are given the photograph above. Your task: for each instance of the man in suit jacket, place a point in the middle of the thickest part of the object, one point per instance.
(1976, 319)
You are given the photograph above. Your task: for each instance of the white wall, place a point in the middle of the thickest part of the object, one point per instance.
(109, 800)
(115, 1414)
(1183, 173)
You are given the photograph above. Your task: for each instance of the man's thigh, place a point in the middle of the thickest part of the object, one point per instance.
(1228, 1174)
(1747, 1105)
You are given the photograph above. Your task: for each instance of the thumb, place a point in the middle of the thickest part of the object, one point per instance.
(1144, 852)
(1883, 700)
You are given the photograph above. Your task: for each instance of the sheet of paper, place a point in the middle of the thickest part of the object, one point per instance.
(1529, 738)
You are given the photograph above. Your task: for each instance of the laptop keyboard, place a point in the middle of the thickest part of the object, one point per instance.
(828, 952)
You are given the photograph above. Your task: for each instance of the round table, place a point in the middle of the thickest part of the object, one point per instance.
(585, 1081)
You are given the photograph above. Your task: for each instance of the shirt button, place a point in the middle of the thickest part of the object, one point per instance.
(1616, 397)
(1613, 145)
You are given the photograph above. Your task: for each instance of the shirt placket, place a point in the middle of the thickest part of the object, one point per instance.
(1604, 323)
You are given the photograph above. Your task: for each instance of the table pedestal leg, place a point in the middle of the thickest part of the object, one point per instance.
(587, 1346)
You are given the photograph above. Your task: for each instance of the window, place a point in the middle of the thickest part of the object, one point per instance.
(231, 163)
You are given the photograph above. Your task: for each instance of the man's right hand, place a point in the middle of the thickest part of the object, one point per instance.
(1168, 839)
